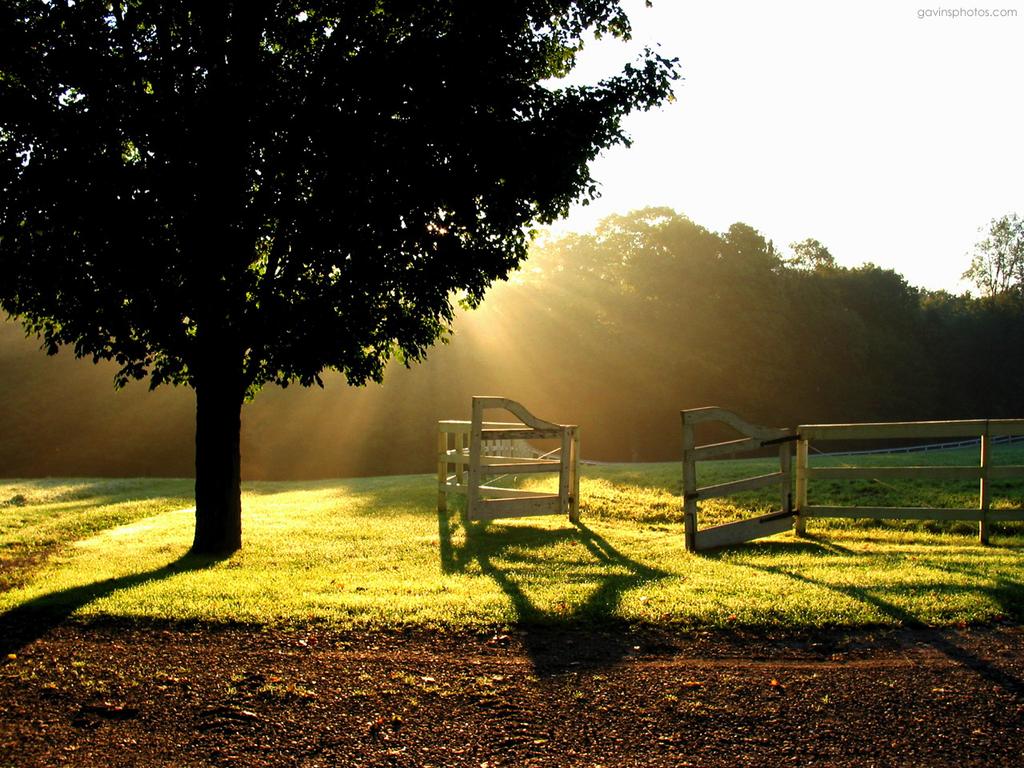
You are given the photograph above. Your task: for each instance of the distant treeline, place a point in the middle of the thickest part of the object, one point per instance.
(615, 330)
(656, 313)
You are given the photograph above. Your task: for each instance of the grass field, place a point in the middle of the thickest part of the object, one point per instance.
(374, 552)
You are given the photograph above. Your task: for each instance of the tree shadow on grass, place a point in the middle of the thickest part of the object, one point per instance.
(586, 634)
(1006, 592)
(804, 545)
(29, 621)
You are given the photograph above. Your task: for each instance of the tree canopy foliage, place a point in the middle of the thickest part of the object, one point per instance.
(226, 194)
(997, 264)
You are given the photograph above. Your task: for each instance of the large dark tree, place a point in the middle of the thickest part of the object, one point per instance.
(224, 194)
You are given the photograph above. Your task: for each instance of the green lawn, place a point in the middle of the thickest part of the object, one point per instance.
(374, 552)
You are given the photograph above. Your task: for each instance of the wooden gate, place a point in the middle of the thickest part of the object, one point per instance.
(985, 430)
(755, 438)
(470, 454)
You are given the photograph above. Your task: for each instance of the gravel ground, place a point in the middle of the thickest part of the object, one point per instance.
(117, 694)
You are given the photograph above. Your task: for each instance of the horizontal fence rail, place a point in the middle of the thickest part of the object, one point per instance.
(912, 429)
(924, 448)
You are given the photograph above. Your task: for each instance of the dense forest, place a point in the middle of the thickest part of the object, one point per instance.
(615, 330)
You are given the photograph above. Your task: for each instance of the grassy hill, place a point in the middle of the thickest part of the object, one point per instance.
(374, 552)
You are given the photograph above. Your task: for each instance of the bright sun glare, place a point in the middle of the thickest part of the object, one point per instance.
(888, 137)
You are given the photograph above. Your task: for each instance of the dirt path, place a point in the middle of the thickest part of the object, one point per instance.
(113, 694)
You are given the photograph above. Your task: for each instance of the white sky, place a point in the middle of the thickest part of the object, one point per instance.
(890, 138)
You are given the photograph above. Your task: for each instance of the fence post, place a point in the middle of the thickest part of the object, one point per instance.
(689, 488)
(475, 446)
(564, 478)
(984, 493)
(462, 446)
(574, 467)
(786, 468)
(799, 521)
(442, 469)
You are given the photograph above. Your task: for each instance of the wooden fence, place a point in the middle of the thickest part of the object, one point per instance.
(796, 514)
(984, 471)
(471, 452)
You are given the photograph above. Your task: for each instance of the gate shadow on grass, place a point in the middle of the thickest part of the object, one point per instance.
(1007, 592)
(588, 634)
(29, 621)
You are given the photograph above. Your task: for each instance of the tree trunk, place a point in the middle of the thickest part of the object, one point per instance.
(219, 398)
